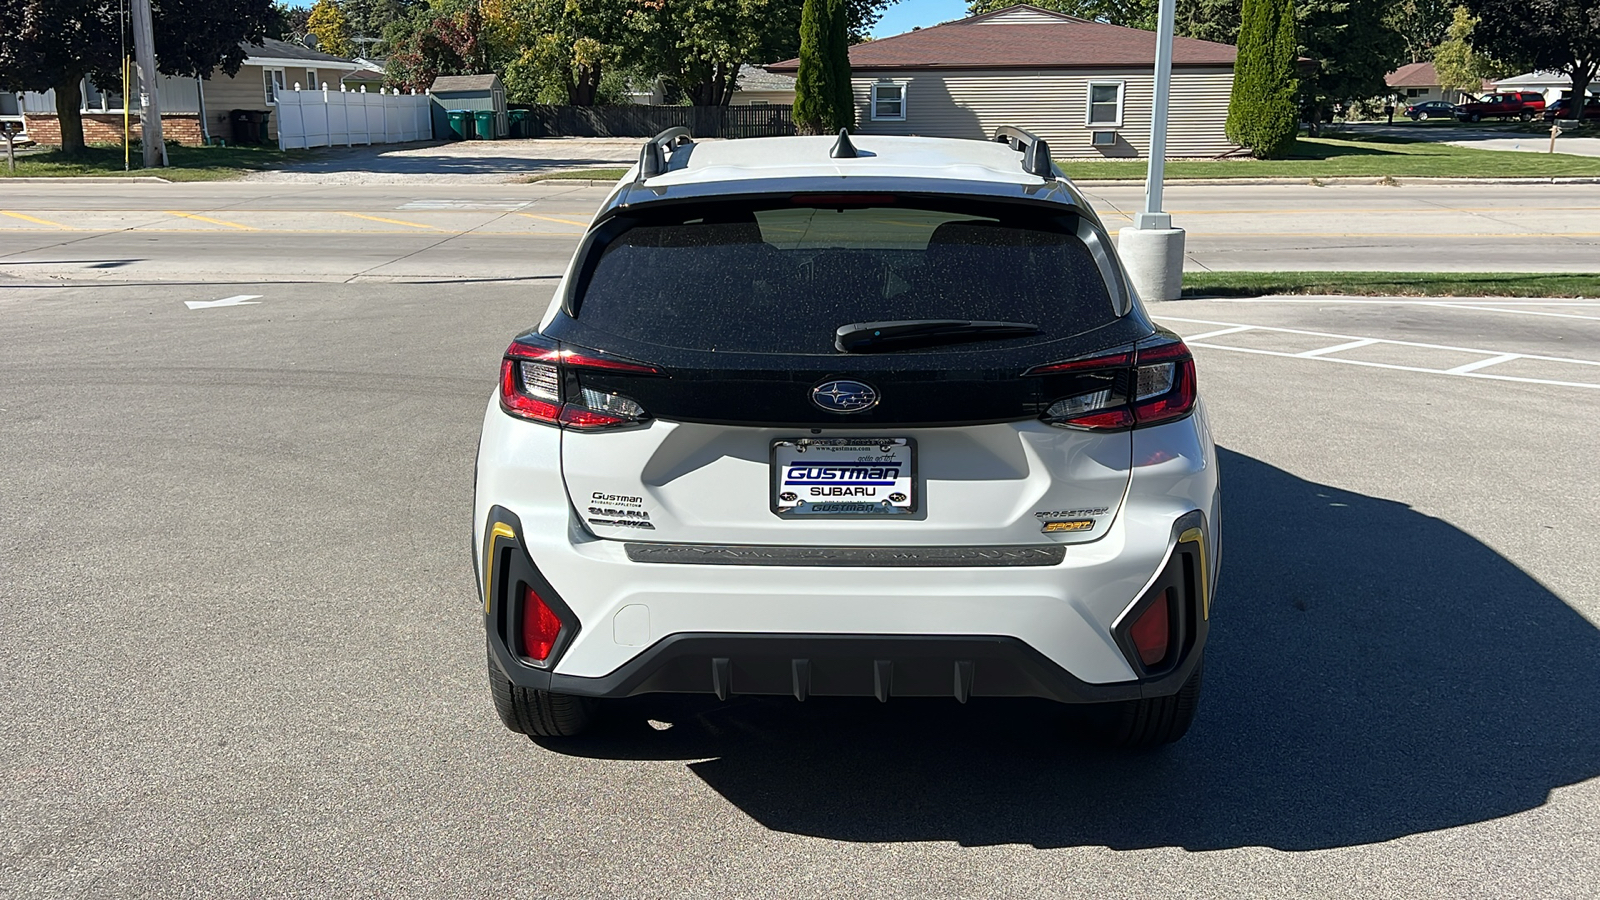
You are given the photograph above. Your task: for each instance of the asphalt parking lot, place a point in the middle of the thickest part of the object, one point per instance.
(243, 653)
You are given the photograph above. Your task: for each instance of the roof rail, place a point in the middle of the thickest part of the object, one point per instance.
(656, 151)
(1035, 152)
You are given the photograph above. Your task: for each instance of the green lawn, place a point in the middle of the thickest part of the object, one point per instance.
(1369, 156)
(188, 163)
(580, 174)
(1365, 156)
(1391, 284)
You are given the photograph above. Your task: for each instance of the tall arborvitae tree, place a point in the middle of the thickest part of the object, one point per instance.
(1262, 114)
(844, 99)
(816, 90)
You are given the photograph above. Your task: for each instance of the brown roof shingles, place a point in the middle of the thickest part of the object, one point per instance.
(1067, 43)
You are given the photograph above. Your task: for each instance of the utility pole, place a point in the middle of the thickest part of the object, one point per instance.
(144, 52)
(1152, 250)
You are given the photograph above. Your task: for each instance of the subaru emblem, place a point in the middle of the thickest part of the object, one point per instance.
(844, 396)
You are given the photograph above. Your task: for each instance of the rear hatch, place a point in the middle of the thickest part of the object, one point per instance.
(849, 370)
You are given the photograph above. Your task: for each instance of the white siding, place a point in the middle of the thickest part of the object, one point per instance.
(1054, 105)
(178, 95)
(1022, 16)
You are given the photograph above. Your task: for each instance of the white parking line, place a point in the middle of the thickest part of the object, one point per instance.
(1497, 305)
(1351, 342)
(1222, 331)
(1483, 364)
(1351, 345)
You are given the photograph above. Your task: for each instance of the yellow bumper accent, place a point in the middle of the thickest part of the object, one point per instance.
(500, 530)
(1198, 537)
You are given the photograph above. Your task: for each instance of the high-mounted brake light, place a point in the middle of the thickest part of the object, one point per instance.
(539, 381)
(833, 200)
(1146, 384)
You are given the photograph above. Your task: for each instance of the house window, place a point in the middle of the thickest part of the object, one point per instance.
(272, 82)
(311, 80)
(1416, 92)
(889, 102)
(1105, 103)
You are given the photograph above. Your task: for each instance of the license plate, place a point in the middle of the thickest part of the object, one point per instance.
(844, 477)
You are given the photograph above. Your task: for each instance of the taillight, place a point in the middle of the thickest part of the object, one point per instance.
(1129, 387)
(540, 626)
(540, 382)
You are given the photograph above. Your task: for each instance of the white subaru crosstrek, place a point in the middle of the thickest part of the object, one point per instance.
(870, 416)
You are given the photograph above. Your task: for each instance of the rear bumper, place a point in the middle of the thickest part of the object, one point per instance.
(851, 665)
(817, 665)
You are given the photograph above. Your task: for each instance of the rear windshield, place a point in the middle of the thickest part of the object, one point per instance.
(782, 279)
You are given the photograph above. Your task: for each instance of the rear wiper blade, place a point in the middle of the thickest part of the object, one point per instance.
(865, 337)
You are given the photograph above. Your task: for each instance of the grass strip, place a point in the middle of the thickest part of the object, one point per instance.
(1353, 155)
(581, 175)
(1391, 284)
(188, 163)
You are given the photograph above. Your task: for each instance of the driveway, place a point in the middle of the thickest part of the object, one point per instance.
(1483, 137)
(455, 162)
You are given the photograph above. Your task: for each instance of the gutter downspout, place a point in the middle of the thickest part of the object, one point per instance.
(205, 127)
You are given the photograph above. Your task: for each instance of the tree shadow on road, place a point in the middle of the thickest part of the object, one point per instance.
(1373, 673)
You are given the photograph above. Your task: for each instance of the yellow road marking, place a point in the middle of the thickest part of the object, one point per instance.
(520, 234)
(553, 219)
(35, 220)
(198, 218)
(390, 221)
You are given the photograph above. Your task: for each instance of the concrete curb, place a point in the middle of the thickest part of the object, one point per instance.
(88, 179)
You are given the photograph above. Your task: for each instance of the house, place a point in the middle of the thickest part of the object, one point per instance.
(1418, 83)
(756, 86)
(1553, 85)
(1085, 87)
(194, 110)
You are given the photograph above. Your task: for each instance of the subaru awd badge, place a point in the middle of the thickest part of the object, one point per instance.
(844, 396)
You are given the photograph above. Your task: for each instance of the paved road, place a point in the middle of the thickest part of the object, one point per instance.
(254, 232)
(242, 657)
(1487, 137)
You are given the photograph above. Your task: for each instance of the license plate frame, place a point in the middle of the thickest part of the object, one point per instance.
(901, 454)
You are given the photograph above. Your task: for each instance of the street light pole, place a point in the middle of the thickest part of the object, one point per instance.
(1152, 250)
(144, 52)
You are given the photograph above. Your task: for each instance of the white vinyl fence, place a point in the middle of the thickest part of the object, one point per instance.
(324, 118)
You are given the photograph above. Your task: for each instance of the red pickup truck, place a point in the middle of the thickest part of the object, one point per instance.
(1522, 105)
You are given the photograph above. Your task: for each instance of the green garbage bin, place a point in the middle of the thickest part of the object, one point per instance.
(485, 119)
(460, 124)
(519, 123)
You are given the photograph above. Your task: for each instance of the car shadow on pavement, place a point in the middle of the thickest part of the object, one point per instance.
(1374, 672)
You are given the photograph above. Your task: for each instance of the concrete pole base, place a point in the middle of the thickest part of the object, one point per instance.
(1154, 260)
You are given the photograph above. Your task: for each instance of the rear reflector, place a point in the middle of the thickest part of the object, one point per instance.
(540, 626)
(1151, 633)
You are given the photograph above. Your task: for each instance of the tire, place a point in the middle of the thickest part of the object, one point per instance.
(1474, 117)
(1526, 117)
(1138, 726)
(1422, 117)
(538, 713)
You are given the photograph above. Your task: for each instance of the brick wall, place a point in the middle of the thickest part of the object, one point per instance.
(106, 128)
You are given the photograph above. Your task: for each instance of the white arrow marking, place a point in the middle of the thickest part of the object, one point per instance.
(241, 300)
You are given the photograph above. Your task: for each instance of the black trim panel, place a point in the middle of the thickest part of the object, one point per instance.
(882, 666)
(910, 557)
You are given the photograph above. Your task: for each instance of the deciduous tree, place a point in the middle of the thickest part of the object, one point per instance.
(56, 43)
(1549, 35)
(327, 21)
(1421, 25)
(1350, 47)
